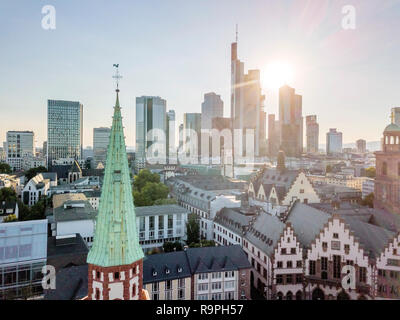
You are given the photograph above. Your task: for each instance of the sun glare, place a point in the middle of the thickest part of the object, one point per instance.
(277, 74)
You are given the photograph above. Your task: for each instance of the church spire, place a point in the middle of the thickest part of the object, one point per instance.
(116, 252)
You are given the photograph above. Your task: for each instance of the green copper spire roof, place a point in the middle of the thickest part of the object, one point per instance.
(115, 240)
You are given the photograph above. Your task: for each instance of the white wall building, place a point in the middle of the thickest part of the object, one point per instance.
(19, 144)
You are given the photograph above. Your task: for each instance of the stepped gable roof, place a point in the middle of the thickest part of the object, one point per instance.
(372, 238)
(265, 232)
(307, 222)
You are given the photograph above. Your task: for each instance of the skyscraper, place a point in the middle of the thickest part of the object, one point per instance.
(273, 135)
(192, 132)
(334, 142)
(64, 130)
(19, 144)
(101, 138)
(170, 137)
(115, 261)
(212, 107)
(151, 124)
(361, 146)
(312, 134)
(247, 104)
(291, 121)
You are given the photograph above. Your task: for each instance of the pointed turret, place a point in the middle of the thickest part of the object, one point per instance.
(115, 259)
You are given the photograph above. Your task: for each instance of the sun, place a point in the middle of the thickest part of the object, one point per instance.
(276, 74)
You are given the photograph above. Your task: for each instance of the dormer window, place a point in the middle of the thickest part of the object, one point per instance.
(154, 273)
(179, 269)
(167, 271)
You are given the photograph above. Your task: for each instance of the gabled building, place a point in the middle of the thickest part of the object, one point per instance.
(275, 189)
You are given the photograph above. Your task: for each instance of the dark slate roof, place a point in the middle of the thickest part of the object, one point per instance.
(159, 210)
(372, 238)
(71, 284)
(279, 178)
(386, 220)
(77, 247)
(52, 176)
(61, 170)
(281, 192)
(232, 219)
(346, 209)
(267, 188)
(307, 222)
(265, 232)
(215, 259)
(93, 172)
(162, 262)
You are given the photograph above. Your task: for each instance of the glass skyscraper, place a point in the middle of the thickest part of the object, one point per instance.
(101, 139)
(64, 130)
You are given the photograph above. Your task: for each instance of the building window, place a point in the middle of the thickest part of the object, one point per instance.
(280, 264)
(97, 294)
(336, 266)
(293, 250)
(289, 278)
(299, 278)
(312, 267)
(324, 263)
(116, 275)
(299, 264)
(289, 264)
(384, 168)
(279, 279)
(363, 274)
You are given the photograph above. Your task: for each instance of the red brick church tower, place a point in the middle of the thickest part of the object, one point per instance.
(387, 181)
(116, 258)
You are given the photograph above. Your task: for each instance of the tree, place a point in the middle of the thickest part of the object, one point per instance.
(10, 218)
(143, 178)
(150, 193)
(36, 212)
(161, 202)
(5, 168)
(370, 172)
(202, 243)
(172, 246)
(192, 229)
(33, 172)
(368, 200)
(8, 194)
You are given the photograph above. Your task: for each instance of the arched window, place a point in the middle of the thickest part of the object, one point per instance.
(280, 296)
(384, 168)
(97, 294)
(289, 295)
(299, 295)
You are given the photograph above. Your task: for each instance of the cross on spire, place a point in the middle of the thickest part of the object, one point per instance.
(117, 76)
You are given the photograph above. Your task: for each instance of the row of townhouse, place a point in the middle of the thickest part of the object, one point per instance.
(307, 253)
(205, 196)
(207, 273)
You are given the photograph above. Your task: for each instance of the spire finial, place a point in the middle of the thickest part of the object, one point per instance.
(117, 76)
(237, 32)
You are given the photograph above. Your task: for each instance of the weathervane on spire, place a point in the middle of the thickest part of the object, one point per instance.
(117, 76)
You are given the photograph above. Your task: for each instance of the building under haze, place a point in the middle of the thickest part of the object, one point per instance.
(334, 142)
(212, 107)
(192, 133)
(291, 121)
(64, 130)
(247, 104)
(361, 146)
(273, 136)
(101, 138)
(151, 127)
(171, 137)
(19, 144)
(312, 134)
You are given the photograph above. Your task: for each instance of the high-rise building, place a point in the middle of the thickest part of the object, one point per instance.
(273, 136)
(170, 136)
(151, 124)
(387, 181)
(312, 134)
(181, 137)
(334, 142)
(192, 132)
(19, 144)
(64, 130)
(361, 146)
(247, 104)
(396, 116)
(291, 121)
(212, 107)
(44, 149)
(115, 260)
(101, 139)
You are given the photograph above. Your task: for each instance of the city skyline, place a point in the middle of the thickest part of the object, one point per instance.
(334, 69)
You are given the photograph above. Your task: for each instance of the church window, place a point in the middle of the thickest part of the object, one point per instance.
(384, 168)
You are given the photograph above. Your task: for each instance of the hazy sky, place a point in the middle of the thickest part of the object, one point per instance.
(180, 49)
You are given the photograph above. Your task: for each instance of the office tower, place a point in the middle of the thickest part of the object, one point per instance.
(396, 116)
(101, 139)
(211, 108)
(291, 121)
(334, 142)
(19, 144)
(64, 130)
(387, 182)
(273, 136)
(192, 132)
(361, 146)
(170, 136)
(312, 134)
(44, 151)
(181, 137)
(247, 104)
(151, 125)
